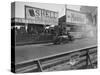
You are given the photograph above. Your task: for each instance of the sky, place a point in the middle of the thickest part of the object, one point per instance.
(60, 8)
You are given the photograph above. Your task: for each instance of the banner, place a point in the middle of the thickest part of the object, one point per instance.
(75, 17)
(41, 16)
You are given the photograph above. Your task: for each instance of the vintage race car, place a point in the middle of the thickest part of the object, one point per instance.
(63, 39)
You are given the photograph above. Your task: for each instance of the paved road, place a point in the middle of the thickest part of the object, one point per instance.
(30, 52)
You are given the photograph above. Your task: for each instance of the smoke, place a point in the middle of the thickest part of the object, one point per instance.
(89, 31)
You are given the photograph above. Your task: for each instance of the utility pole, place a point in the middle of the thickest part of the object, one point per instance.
(66, 12)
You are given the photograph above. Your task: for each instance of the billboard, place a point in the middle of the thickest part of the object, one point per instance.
(41, 16)
(75, 17)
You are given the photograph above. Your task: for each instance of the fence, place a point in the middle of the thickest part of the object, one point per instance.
(80, 59)
(29, 38)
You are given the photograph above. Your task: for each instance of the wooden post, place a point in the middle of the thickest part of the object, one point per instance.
(39, 66)
(88, 59)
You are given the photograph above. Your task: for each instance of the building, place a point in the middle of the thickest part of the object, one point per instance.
(75, 22)
(92, 15)
(35, 18)
(81, 23)
(91, 10)
(33, 23)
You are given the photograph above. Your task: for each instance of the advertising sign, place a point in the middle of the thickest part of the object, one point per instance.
(75, 17)
(41, 16)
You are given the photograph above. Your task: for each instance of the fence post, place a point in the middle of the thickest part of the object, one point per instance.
(39, 66)
(88, 59)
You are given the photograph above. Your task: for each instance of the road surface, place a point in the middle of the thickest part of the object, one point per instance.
(32, 52)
